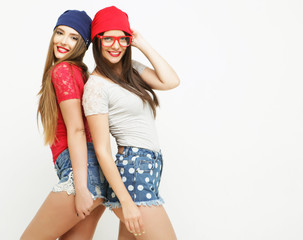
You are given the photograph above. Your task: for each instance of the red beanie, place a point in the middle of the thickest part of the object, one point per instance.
(110, 18)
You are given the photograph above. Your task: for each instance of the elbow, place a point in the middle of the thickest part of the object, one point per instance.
(102, 154)
(177, 82)
(76, 131)
(174, 83)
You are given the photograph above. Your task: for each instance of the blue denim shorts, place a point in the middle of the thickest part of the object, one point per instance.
(140, 170)
(96, 182)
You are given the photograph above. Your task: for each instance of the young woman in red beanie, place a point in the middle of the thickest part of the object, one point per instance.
(119, 99)
(72, 209)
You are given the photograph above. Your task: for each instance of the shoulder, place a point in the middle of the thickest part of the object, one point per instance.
(61, 71)
(62, 67)
(66, 71)
(95, 81)
(67, 68)
(139, 67)
(95, 95)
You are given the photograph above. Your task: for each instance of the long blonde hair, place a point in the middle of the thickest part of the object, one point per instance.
(48, 106)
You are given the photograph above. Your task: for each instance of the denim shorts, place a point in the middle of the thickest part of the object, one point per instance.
(96, 182)
(140, 170)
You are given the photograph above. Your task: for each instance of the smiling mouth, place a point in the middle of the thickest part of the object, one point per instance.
(62, 49)
(114, 54)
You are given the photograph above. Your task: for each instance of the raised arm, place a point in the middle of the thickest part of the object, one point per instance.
(99, 128)
(163, 77)
(76, 141)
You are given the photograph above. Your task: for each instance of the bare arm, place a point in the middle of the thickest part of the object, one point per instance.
(76, 140)
(163, 77)
(99, 128)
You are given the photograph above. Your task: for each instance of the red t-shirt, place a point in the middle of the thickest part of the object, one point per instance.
(68, 84)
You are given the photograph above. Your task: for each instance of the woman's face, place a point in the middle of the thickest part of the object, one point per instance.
(65, 40)
(115, 52)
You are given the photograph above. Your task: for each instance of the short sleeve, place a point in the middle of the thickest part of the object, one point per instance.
(95, 97)
(64, 82)
(138, 66)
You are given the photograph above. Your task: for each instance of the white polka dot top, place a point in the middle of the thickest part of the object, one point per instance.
(131, 122)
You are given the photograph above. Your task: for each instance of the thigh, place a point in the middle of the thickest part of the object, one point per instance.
(85, 229)
(55, 217)
(156, 222)
(124, 234)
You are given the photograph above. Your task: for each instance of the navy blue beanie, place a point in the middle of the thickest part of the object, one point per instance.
(79, 21)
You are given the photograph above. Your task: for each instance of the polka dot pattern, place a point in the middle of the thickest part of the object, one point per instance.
(140, 173)
(135, 149)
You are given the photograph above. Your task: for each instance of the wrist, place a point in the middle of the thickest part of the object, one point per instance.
(126, 201)
(80, 187)
(142, 45)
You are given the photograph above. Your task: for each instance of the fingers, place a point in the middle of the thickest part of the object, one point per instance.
(83, 214)
(80, 215)
(86, 212)
(141, 225)
(128, 226)
(135, 227)
(132, 227)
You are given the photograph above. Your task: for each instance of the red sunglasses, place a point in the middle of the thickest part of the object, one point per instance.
(108, 41)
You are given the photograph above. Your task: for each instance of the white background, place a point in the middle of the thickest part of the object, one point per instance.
(231, 133)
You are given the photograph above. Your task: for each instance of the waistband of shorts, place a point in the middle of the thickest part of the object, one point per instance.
(129, 150)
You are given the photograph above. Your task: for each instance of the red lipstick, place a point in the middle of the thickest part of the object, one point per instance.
(62, 49)
(114, 54)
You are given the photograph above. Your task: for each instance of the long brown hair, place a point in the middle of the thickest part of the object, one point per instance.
(129, 78)
(48, 106)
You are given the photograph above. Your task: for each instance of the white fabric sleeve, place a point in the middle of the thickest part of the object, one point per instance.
(138, 66)
(95, 97)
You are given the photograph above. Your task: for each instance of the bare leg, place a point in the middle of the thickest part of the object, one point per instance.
(85, 229)
(55, 217)
(124, 234)
(156, 223)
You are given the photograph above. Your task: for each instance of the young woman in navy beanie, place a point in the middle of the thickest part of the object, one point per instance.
(119, 98)
(72, 209)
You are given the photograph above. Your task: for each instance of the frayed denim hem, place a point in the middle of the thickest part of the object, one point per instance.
(157, 202)
(98, 194)
(96, 197)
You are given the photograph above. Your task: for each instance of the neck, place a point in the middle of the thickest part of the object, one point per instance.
(116, 67)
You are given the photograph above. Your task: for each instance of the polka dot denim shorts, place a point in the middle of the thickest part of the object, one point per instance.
(140, 170)
(96, 182)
